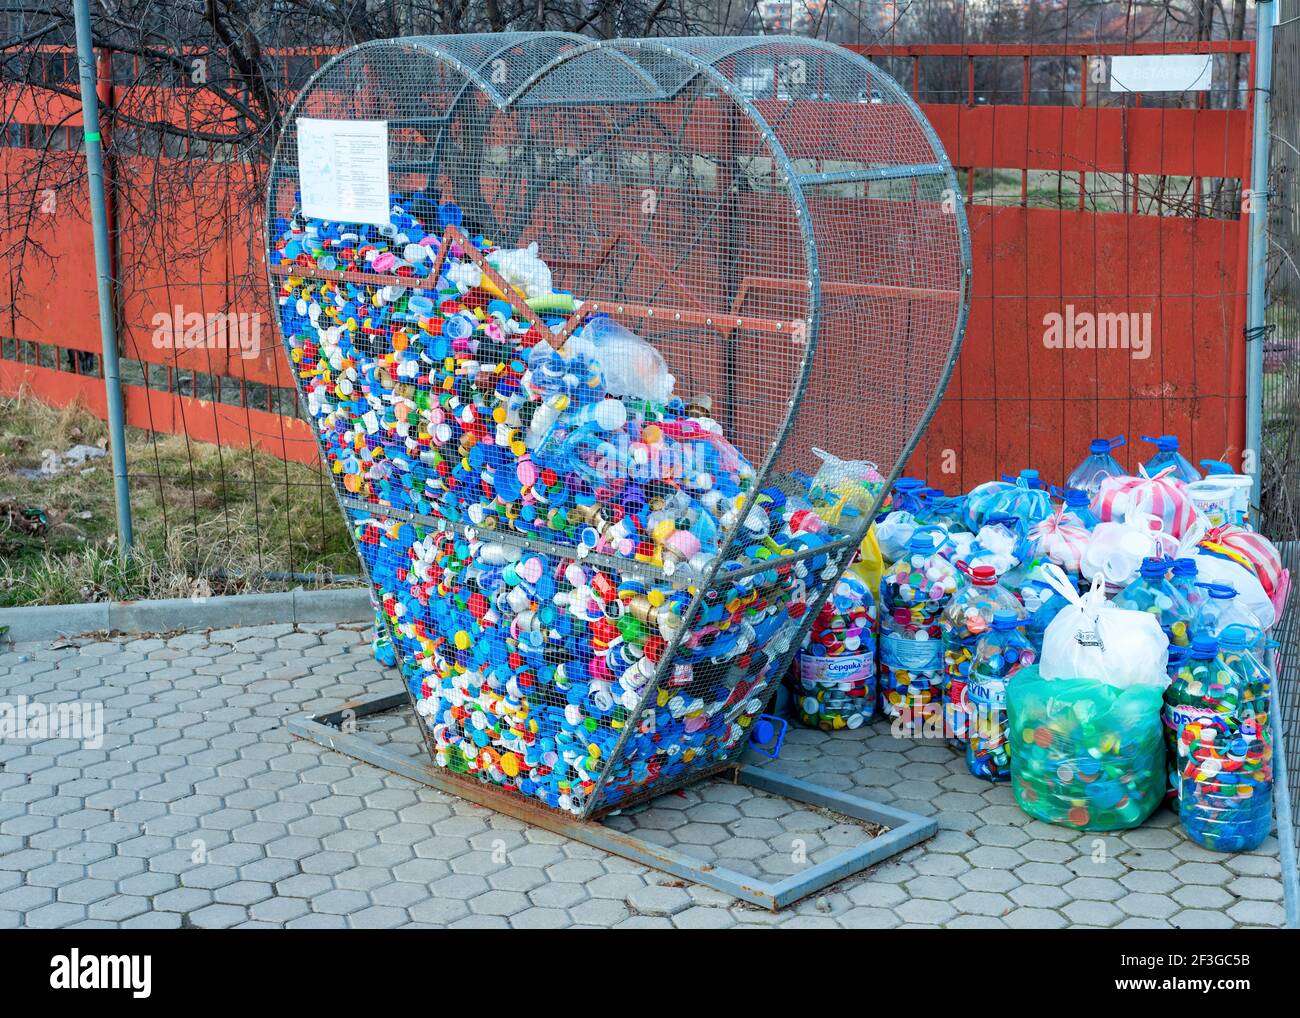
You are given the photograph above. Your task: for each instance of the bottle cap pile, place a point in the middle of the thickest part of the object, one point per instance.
(441, 398)
(548, 593)
(1225, 802)
(1085, 755)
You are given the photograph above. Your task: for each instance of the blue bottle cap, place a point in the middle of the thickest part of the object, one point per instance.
(927, 540)
(1234, 637)
(1204, 646)
(1184, 567)
(1004, 619)
(1099, 446)
(1154, 568)
(1213, 467)
(1165, 443)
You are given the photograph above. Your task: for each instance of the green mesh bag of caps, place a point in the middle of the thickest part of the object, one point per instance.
(1085, 754)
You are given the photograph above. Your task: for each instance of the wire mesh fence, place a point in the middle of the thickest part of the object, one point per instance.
(1280, 460)
(570, 392)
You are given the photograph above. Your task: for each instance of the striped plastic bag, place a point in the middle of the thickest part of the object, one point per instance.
(1163, 496)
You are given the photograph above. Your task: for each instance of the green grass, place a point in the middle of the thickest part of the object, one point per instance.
(207, 520)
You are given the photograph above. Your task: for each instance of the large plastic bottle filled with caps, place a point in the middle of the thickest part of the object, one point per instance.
(1225, 796)
(1154, 592)
(968, 617)
(914, 591)
(836, 670)
(1000, 653)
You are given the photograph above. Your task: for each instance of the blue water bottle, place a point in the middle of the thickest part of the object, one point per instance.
(1078, 503)
(1097, 466)
(1167, 455)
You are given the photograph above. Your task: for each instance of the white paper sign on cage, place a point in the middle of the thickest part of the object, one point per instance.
(343, 170)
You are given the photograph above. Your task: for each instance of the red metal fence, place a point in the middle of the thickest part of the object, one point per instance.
(1014, 400)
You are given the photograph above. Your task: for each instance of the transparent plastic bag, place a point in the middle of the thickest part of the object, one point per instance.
(1117, 547)
(631, 366)
(1062, 538)
(839, 483)
(894, 535)
(1085, 754)
(1018, 498)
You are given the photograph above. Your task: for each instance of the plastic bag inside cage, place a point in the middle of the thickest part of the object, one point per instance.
(569, 374)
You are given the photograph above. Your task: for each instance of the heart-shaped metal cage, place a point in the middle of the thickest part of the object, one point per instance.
(579, 472)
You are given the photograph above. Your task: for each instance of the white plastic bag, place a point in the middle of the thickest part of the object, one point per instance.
(894, 533)
(1212, 568)
(1116, 550)
(1090, 638)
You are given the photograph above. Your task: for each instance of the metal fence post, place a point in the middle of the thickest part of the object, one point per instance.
(103, 269)
(1257, 266)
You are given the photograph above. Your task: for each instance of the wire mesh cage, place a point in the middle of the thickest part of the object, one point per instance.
(597, 338)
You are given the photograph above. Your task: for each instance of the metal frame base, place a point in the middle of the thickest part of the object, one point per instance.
(905, 829)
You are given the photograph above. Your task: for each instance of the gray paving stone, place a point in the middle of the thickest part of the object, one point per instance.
(1256, 888)
(438, 911)
(658, 900)
(925, 910)
(1028, 918)
(501, 903)
(1201, 919)
(982, 903)
(378, 917)
(599, 912)
(219, 917)
(278, 910)
(55, 916)
(183, 899)
(704, 917)
(1258, 913)
(1094, 889)
(863, 918)
(1202, 896)
(295, 835)
(1148, 906)
(1092, 913)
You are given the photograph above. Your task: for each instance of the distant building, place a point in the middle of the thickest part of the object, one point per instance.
(797, 17)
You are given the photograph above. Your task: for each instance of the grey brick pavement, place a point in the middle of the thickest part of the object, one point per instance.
(200, 810)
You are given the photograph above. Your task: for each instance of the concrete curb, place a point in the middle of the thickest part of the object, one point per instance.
(345, 604)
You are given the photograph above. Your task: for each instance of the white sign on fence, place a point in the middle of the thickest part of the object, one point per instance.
(1164, 72)
(343, 170)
